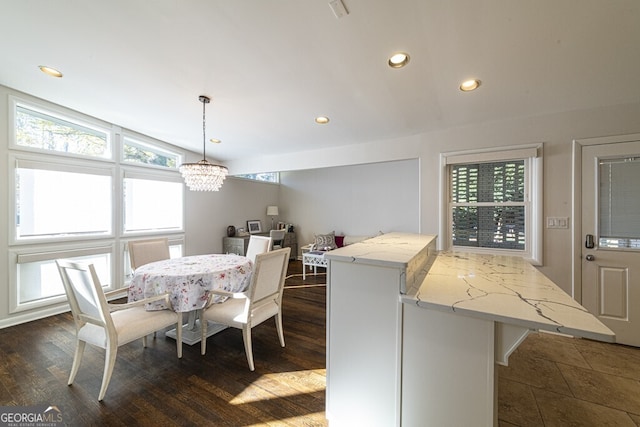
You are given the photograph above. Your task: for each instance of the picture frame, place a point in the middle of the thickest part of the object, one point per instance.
(254, 226)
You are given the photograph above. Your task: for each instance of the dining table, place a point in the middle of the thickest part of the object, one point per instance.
(189, 280)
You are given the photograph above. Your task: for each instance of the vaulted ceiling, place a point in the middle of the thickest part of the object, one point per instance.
(272, 66)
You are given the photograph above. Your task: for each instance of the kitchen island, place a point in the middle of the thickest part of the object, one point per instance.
(413, 335)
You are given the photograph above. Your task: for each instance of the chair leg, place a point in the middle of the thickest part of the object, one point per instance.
(77, 360)
(109, 362)
(246, 335)
(203, 338)
(279, 328)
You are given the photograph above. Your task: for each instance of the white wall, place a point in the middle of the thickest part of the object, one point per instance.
(556, 130)
(353, 200)
(209, 214)
(404, 171)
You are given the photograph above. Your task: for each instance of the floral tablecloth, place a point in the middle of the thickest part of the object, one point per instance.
(189, 279)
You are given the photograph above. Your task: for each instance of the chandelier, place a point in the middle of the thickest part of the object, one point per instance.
(203, 176)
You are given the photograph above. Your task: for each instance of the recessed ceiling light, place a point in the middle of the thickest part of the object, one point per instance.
(50, 71)
(469, 85)
(399, 60)
(215, 141)
(322, 120)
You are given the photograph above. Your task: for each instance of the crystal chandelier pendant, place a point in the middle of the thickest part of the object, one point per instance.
(203, 176)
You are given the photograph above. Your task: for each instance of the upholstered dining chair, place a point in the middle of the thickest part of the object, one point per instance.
(143, 252)
(261, 301)
(105, 325)
(277, 238)
(257, 245)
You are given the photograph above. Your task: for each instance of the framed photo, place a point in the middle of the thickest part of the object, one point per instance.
(254, 226)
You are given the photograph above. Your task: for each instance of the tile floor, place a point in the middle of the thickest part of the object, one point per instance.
(554, 380)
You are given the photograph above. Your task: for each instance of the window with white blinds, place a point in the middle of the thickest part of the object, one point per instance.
(619, 209)
(492, 201)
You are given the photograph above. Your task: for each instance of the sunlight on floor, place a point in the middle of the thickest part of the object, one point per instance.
(299, 382)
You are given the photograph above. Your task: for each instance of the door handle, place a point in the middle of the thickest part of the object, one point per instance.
(590, 257)
(588, 243)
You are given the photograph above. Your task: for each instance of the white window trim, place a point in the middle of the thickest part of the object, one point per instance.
(29, 251)
(50, 253)
(62, 114)
(54, 162)
(155, 145)
(156, 174)
(533, 155)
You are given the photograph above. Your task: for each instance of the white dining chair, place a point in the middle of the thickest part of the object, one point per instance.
(143, 252)
(261, 301)
(277, 238)
(105, 325)
(257, 245)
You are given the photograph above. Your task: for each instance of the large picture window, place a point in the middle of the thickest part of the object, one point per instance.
(142, 196)
(493, 201)
(56, 200)
(73, 198)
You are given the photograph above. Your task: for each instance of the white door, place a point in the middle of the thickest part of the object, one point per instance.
(611, 237)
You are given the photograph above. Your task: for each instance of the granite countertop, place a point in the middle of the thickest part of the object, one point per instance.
(505, 289)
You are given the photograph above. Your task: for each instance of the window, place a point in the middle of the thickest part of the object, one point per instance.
(493, 202)
(264, 176)
(35, 129)
(138, 152)
(141, 195)
(47, 202)
(72, 198)
(38, 280)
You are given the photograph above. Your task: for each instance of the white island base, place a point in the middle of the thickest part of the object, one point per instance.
(453, 379)
(413, 336)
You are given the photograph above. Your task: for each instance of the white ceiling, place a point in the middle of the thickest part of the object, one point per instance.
(272, 66)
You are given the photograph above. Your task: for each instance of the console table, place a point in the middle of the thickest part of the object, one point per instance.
(238, 244)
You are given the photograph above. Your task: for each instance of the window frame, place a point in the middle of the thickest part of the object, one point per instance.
(61, 114)
(105, 169)
(64, 246)
(532, 154)
(153, 145)
(153, 174)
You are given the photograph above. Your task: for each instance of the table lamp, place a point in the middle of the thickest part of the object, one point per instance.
(272, 211)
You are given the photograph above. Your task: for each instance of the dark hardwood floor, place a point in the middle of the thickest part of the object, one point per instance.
(151, 386)
(551, 380)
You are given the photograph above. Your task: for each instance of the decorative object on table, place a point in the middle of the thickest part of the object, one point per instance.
(272, 211)
(240, 232)
(261, 301)
(281, 226)
(203, 176)
(143, 252)
(257, 245)
(231, 231)
(277, 238)
(254, 226)
(105, 325)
